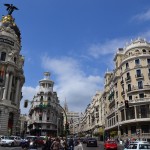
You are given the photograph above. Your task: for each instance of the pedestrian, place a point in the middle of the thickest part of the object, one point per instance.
(78, 146)
(71, 143)
(56, 144)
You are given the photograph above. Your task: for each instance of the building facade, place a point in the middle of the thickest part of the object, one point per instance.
(45, 114)
(127, 92)
(11, 75)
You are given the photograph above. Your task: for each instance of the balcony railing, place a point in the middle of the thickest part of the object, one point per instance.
(128, 79)
(137, 88)
(139, 76)
(122, 82)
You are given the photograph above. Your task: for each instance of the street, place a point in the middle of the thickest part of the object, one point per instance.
(99, 147)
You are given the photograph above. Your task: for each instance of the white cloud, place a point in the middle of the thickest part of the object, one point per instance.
(109, 47)
(145, 16)
(72, 82)
(28, 93)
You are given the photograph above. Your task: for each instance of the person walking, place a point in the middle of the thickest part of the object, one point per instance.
(56, 144)
(78, 146)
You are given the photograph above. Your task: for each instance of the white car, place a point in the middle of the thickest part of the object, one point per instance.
(11, 141)
(138, 145)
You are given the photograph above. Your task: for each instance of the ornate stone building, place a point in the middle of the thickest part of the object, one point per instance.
(45, 114)
(11, 75)
(127, 92)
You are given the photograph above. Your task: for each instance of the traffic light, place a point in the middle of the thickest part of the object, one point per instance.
(25, 103)
(126, 104)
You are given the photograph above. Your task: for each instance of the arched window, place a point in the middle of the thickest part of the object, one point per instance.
(144, 51)
(3, 56)
(15, 59)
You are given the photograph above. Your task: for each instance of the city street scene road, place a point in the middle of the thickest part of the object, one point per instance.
(74, 75)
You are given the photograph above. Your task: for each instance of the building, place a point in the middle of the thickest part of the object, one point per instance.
(127, 92)
(91, 121)
(11, 75)
(45, 114)
(72, 118)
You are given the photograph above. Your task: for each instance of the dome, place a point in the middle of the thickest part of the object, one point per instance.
(8, 21)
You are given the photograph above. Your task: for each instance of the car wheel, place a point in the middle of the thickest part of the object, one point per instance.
(12, 144)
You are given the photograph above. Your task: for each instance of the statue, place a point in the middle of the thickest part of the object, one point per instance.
(10, 8)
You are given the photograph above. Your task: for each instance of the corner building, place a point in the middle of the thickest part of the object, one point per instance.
(11, 75)
(129, 81)
(45, 114)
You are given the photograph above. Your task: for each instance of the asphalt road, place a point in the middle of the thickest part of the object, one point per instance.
(99, 147)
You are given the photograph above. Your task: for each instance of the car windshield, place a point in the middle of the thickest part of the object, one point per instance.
(132, 146)
(111, 142)
(11, 138)
(144, 146)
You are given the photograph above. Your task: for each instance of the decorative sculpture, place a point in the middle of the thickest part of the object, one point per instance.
(10, 8)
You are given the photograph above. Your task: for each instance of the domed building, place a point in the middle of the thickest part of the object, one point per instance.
(46, 113)
(11, 75)
(127, 92)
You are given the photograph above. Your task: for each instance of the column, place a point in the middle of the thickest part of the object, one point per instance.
(135, 112)
(10, 86)
(17, 91)
(6, 86)
(124, 114)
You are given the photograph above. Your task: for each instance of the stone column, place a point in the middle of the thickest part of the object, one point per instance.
(6, 86)
(124, 114)
(135, 112)
(10, 86)
(17, 91)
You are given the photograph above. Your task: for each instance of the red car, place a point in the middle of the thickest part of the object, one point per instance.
(39, 141)
(110, 145)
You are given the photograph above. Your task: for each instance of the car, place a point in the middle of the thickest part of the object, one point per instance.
(91, 142)
(110, 144)
(138, 145)
(11, 141)
(2, 137)
(40, 141)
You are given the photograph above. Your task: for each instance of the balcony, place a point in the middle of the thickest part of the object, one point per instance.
(139, 76)
(122, 93)
(122, 82)
(138, 88)
(128, 79)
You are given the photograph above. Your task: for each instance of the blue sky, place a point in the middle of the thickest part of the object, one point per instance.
(76, 41)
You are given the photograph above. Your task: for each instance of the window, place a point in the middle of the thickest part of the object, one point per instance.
(15, 59)
(144, 51)
(144, 111)
(129, 87)
(141, 95)
(148, 61)
(40, 118)
(127, 65)
(130, 97)
(47, 118)
(145, 128)
(138, 73)
(133, 129)
(140, 85)
(128, 75)
(137, 61)
(3, 56)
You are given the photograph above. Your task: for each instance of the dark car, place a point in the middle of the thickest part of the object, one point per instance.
(110, 144)
(39, 141)
(91, 142)
(84, 140)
